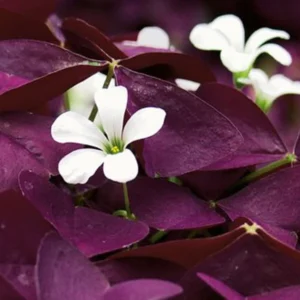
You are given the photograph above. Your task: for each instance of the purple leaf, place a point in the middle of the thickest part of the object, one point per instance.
(290, 293)
(160, 204)
(211, 184)
(262, 142)
(26, 143)
(91, 231)
(133, 50)
(220, 287)
(50, 70)
(143, 289)
(64, 273)
(9, 82)
(80, 33)
(278, 266)
(129, 268)
(21, 277)
(16, 26)
(8, 292)
(186, 253)
(194, 135)
(273, 200)
(172, 65)
(21, 229)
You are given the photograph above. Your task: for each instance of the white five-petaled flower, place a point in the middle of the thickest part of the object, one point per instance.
(156, 37)
(226, 34)
(110, 143)
(268, 89)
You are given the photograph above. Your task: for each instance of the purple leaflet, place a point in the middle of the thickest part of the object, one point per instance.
(194, 134)
(220, 287)
(262, 142)
(211, 184)
(235, 265)
(143, 289)
(49, 70)
(26, 143)
(9, 82)
(7, 291)
(133, 50)
(21, 229)
(291, 292)
(171, 65)
(129, 268)
(187, 252)
(80, 33)
(91, 231)
(272, 201)
(160, 204)
(64, 273)
(21, 277)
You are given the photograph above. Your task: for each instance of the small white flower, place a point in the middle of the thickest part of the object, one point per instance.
(268, 89)
(119, 163)
(81, 96)
(156, 37)
(226, 34)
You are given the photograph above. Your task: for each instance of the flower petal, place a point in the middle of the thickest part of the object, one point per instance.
(111, 105)
(79, 165)
(153, 37)
(256, 77)
(236, 61)
(263, 35)
(143, 123)
(121, 167)
(204, 37)
(187, 85)
(232, 28)
(277, 52)
(71, 127)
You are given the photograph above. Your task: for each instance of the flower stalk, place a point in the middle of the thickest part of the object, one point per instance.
(106, 83)
(130, 215)
(289, 159)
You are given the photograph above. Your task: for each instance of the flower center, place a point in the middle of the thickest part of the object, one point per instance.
(115, 149)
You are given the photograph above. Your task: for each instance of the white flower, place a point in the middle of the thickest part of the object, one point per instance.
(156, 37)
(110, 146)
(226, 34)
(81, 96)
(153, 37)
(268, 89)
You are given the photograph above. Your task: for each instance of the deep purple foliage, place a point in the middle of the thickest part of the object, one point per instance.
(215, 206)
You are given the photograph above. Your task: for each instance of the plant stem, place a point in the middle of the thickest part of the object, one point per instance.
(107, 81)
(130, 215)
(156, 237)
(290, 158)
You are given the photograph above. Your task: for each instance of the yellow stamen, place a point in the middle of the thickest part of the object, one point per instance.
(115, 149)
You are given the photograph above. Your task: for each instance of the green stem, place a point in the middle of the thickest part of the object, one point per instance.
(107, 81)
(156, 237)
(130, 215)
(290, 158)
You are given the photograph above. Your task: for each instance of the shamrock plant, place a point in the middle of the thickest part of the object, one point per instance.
(214, 186)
